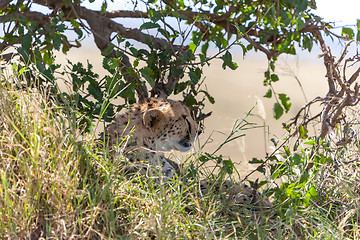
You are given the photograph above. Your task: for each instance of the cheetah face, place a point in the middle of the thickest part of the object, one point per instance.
(180, 135)
(175, 130)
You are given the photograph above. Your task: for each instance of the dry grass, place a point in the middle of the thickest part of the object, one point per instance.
(57, 187)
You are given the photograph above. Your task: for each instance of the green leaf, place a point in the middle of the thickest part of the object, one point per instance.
(149, 25)
(22, 70)
(227, 61)
(256, 161)
(278, 111)
(347, 32)
(301, 5)
(272, 65)
(285, 101)
(240, 28)
(164, 33)
(274, 78)
(211, 99)
(14, 67)
(296, 145)
(204, 158)
(196, 38)
(154, 15)
(267, 74)
(275, 141)
(261, 169)
(228, 166)
(307, 43)
(110, 64)
(112, 87)
(103, 7)
(312, 142)
(57, 40)
(277, 173)
(195, 75)
(202, 59)
(134, 51)
(40, 66)
(287, 150)
(78, 32)
(312, 192)
(358, 28)
(148, 74)
(243, 48)
(48, 59)
(300, 24)
(192, 46)
(204, 48)
(268, 94)
(175, 14)
(286, 127)
(95, 91)
(180, 86)
(303, 133)
(10, 38)
(26, 42)
(61, 28)
(190, 101)
(297, 159)
(108, 50)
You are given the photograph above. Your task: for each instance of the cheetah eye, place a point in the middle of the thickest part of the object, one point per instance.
(184, 116)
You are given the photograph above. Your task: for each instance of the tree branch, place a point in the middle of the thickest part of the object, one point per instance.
(101, 28)
(128, 33)
(269, 53)
(125, 14)
(31, 16)
(4, 3)
(340, 94)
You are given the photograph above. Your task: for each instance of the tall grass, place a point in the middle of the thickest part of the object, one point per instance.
(58, 186)
(55, 184)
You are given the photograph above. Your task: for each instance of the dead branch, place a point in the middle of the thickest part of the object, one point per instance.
(341, 93)
(294, 120)
(203, 116)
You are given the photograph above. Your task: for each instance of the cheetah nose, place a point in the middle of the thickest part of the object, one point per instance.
(199, 132)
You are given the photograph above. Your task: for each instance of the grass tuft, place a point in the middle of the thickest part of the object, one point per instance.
(55, 186)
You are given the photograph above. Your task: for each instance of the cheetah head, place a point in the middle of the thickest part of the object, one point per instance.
(172, 126)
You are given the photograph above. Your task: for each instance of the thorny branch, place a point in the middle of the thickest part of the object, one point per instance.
(341, 93)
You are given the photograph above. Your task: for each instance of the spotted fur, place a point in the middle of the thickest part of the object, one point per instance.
(148, 129)
(155, 126)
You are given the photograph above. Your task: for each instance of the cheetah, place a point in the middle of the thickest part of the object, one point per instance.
(155, 126)
(152, 127)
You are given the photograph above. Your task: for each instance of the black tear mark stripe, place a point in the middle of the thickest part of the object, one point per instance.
(189, 127)
(188, 124)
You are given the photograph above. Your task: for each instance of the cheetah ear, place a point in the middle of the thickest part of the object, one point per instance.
(151, 117)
